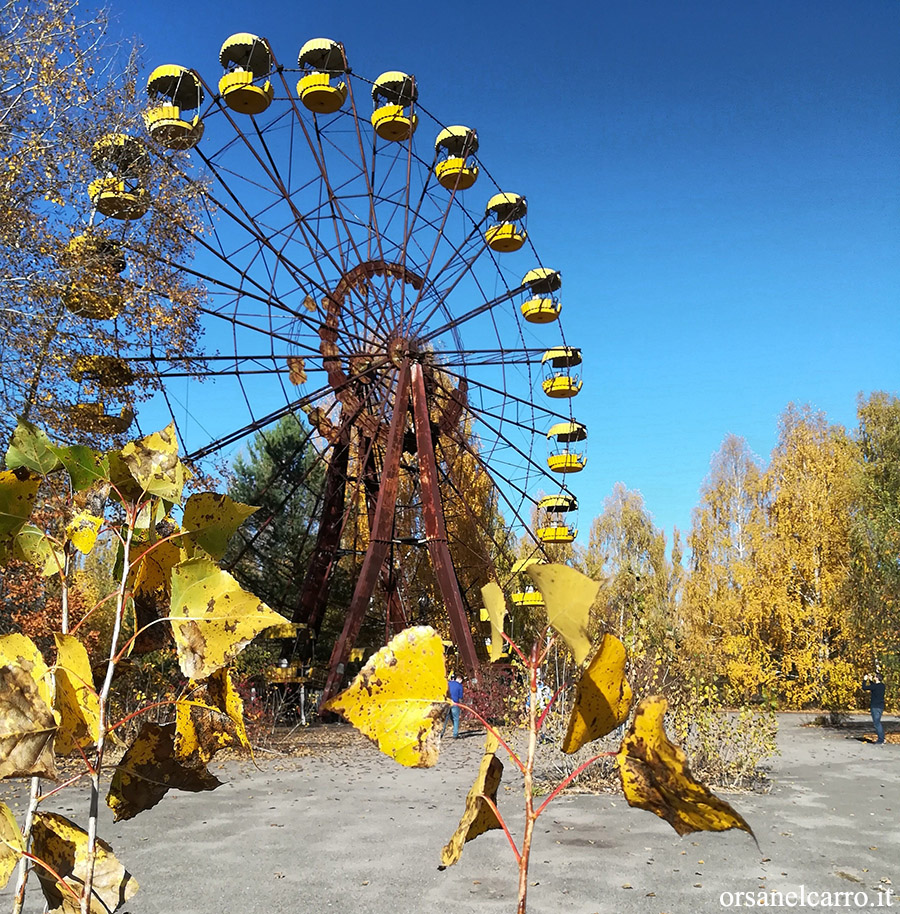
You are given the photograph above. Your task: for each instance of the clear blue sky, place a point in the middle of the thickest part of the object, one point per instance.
(719, 183)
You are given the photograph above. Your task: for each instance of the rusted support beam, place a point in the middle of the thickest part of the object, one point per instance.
(436, 529)
(381, 535)
(313, 598)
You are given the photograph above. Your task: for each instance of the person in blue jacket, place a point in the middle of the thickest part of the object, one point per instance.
(874, 685)
(456, 695)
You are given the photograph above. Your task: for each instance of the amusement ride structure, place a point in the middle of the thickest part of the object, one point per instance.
(350, 242)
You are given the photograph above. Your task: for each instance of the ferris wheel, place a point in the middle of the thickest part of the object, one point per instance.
(364, 270)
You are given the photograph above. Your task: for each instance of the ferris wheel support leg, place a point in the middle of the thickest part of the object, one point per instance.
(382, 533)
(310, 606)
(436, 529)
(395, 618)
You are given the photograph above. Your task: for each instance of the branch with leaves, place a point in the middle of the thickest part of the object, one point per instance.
(402, 693)
(169, 582)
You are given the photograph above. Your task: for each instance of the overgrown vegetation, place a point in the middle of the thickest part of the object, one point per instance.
(399, 697)
(168, 589)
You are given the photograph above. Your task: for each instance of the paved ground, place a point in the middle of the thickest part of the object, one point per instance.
(357, 833)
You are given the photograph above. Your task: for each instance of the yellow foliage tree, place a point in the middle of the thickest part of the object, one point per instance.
(64, 86)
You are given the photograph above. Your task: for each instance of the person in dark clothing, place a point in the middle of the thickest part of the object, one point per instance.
(874, 685)
(456, 695)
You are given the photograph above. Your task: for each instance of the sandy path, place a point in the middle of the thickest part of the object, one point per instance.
(357, 833)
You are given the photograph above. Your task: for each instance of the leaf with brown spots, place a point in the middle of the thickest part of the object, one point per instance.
(495, 604)
(602, 696)
(27, 725)
(18, 490)
(12, 844)
(63, 846)
(478, 817)
(213, 618)
(398, 695)
(86, 467)
(655, 777)
(149, 769)
(82, 531)
(568, 595)
(30, 447)
(153, 463)
(76, 699)
(211, 519)
(212, 718)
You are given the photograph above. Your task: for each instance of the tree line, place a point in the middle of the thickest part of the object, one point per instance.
(786, 589)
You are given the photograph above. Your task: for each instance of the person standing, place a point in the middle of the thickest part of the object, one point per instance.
(874, 685)
(456, 696)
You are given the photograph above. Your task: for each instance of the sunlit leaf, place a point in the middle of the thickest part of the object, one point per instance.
(154, 464)
(568, 595)
(18, 490)
(602, 696)
(27, 727)
(33, 546)
(151, 567)
(478, 817)
(210, 719)
(149, 769)
(30, 447)
(495, 603)
(213, 617)
(20, 651)
(63, 846)
(211, 519)
(655, 777)
(11, 844)
(76, 698)
(82, 531)
(398, 695)
(85, 466)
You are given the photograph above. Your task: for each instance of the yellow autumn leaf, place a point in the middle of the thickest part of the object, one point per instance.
(82, 531)
(398, 695)
(213, 618)
(210, 719)
(495, 603)
(151, 566)
(478, 817)
(602, 696)
(27, 725)
(63, 845)
(210, 520)
(568, 595)
(12, 844)
(153, 463)
(76, 699)
(655, 776)
(18, 490)
(20, 651)
(149, 769)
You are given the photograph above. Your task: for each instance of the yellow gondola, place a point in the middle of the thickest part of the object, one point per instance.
(506, 212)
(247, 59)
(106, 371)
(394, 94)
(455, 148)
(94, 290)
(559, 381)
(92, 417)
(553, 529)
(119, 194)
(174, 90)
(562, 458)
(541, 305)
(322, 60)
(533, 598)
